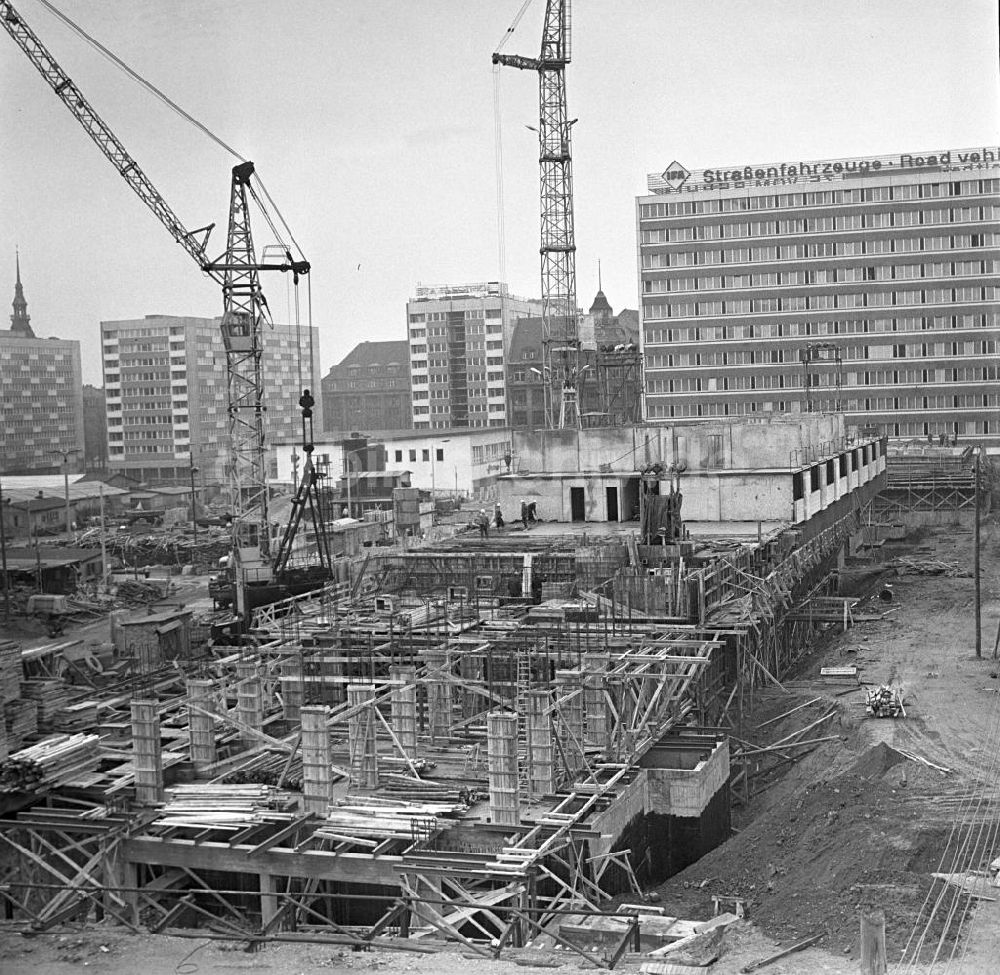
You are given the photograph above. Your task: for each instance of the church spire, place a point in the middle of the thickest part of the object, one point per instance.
(20, 321)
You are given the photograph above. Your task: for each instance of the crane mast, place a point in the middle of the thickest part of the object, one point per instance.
(244, 311)
(560, 328)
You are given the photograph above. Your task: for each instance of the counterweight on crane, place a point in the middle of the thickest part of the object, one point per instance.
(560, 330)
(244, 312)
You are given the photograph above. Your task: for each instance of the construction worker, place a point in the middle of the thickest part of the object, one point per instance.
(483, 521)
(524, 513)
(498, 516)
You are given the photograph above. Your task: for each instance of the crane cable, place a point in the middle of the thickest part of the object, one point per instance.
(205, 130)
(498, 147)
(135, 76)
(173, 106)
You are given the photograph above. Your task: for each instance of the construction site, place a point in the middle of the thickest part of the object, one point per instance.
(723, 698)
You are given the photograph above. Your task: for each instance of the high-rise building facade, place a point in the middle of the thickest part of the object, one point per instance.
(165, 389)
(459, 338)
(41, 397)
(867, 285)
(369, 390)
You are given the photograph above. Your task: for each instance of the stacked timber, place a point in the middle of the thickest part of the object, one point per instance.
(222, 806)
(371, 817)
(51, 696)
(21, 718)
(79, 716)
(10, 670)
(423, 789)
(51, 763)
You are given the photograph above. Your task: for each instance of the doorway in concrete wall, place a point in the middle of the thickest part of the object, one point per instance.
(577, 506)
(612, 495)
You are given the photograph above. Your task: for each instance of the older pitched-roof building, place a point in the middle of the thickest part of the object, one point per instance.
(369, 390)
(610, 379)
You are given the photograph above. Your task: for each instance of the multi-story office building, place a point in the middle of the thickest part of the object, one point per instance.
(868, 285)
(459, 337)
(369, 389)
(610, 380)
(165, 388)
(41, 397)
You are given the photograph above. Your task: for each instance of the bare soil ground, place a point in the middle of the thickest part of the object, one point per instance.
(851, 825)
(855, 824)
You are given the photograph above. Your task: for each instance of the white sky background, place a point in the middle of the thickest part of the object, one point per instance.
(371, 123)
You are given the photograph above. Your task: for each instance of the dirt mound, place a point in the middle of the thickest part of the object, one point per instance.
(844, 842)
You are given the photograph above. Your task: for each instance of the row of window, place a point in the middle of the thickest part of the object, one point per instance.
(871, 194)
(440, 331)
(913, 428)
(823, 302)
(899, 350)
(658, 335)
(816, 225)
(726, 384)
(819, 249)
(444, 316)
(798, 278)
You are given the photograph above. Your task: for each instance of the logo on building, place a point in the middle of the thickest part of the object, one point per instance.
(675, 175)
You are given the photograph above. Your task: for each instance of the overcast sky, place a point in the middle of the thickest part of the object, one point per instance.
(372, 125)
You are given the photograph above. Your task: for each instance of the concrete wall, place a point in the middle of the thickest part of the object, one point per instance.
(765, 496)
(687, 791)
(754, 444)
(748, 444)
(551, 493)
(625, 449)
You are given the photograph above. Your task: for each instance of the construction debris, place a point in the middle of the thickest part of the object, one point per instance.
(885, 701)
(908, 565)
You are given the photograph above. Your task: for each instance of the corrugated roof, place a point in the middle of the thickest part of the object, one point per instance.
(21, 489)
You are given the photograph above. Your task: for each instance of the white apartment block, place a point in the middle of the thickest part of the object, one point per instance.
(166, 395)
(459, 343)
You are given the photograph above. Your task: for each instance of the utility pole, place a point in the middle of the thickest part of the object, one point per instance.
(3, 556)
(65, 466)
(975, 569)
(194, 509)
(104, 547)
(38, 555)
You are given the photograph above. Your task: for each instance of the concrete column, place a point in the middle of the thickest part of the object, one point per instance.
(569, 724)
(438, 698)
(361, 741)
(316, 760)
(146, 756)
(526, 575)
(595, 702)
(403, 705)
(470, 670)
(201, 727)
(249, 700)
(541, 747)
(292, 692)
(501, 749)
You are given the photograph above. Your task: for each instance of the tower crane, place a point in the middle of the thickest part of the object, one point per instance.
(244, 312)
(560, 331)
